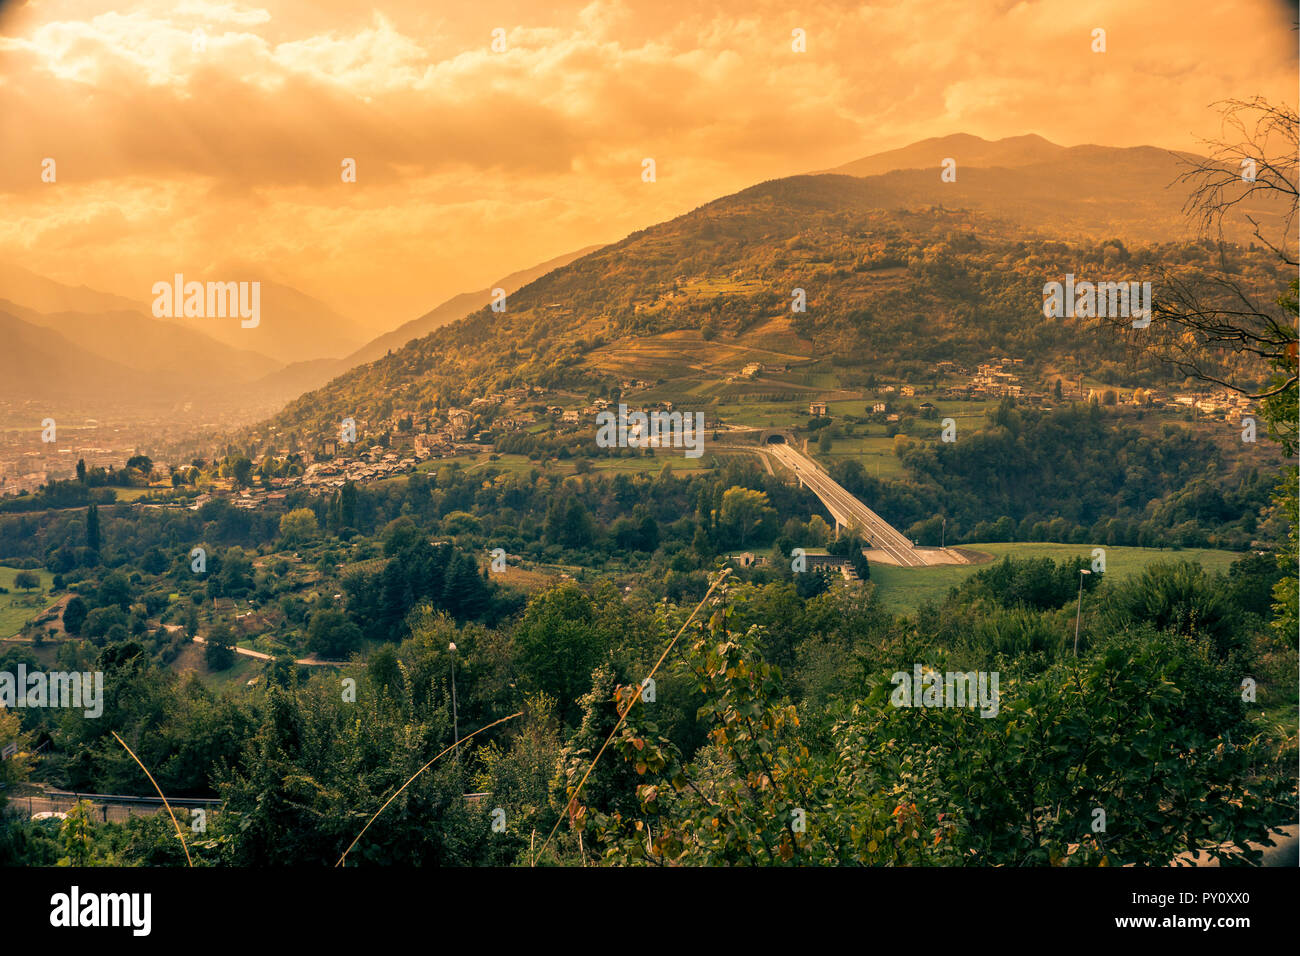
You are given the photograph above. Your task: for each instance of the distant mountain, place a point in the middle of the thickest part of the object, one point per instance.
(167, 352)
(457, 307)
(77, 341)
(1092, 191)
(46, 295)
(40, 363)
(966, 149)
(293, 326)
(299, 377)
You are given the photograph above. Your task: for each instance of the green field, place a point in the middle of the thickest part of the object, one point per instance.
(654, 464)
(903, 590)
(760, 414)
(18, 607)
(874, 450)
(134, 494)
(234, 677)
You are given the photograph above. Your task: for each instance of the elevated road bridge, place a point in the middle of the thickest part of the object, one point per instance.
(888, 545)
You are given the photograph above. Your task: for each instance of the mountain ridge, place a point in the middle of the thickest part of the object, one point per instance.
(971, 151)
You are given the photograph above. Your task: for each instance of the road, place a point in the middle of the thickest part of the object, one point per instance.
(110, 807)
(117, 808)
(248, 652)
(888, 544)
(846, 509)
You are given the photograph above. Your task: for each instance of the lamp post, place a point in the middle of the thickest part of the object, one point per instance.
(1078, 611)
(943, 535)
(455, 723)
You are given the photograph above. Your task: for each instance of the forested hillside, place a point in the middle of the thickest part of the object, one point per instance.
(892, 286)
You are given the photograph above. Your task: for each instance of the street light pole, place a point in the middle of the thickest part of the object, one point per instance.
(1078, 611)
(455, 722)
(943, 535)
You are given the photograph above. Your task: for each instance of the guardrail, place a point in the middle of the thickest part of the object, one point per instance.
(123, 798)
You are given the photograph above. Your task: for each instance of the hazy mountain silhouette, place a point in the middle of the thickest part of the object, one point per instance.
(299, 377)
(456, 307)
(40, 363)
(48, 295)
(168, 352)
(294, 326)
(82, 341)
(966, 149)
(1068, 191)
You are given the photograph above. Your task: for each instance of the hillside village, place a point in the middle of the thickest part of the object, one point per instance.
(400, 449)
(405, 439)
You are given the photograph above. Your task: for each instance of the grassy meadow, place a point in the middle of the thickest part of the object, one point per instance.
(903, 590)
(18, 607)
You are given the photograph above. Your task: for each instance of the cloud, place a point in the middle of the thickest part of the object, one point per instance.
(473, 163)
(222, 12)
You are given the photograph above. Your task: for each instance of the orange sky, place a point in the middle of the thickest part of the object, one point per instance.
(474, 163)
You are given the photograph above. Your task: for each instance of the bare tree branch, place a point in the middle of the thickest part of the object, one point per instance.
(1255, 159)
(1210, 325)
